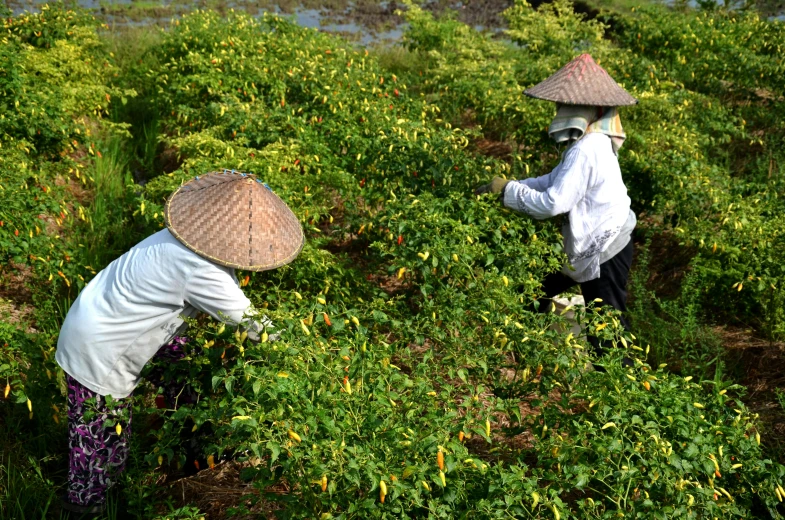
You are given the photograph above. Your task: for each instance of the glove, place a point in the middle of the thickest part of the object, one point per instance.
(496, 186)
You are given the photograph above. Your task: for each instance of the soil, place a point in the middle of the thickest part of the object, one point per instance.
(18, 314)
(215, 490)
(759, 365)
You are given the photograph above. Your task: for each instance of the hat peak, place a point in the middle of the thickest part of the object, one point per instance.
(579, 66)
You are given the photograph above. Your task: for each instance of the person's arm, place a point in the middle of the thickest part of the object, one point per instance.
(216, 291)
(499, 184)
(540, 183)
(567, 187)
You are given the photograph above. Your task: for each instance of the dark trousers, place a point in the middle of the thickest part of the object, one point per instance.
(611, 287)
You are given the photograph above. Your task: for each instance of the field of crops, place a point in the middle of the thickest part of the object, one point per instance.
(411, 378)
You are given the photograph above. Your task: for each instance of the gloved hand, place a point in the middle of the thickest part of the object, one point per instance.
(497, 186)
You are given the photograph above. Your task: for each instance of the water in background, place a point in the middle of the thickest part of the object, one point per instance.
(363, 21)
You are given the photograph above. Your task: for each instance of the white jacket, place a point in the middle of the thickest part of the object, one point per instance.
(134, 306)
(587, 185)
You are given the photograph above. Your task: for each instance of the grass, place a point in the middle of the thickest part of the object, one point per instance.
(129, 45)
(673, 328)
(110, 237)
(24, 492)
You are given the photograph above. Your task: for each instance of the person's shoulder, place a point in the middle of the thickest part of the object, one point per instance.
(167, 244)
(583, 149)
(177, 251)
(593, 141)
(595, 147)
(159, 237)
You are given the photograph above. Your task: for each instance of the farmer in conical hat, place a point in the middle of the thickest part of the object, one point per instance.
(133, 311)
(586, 185)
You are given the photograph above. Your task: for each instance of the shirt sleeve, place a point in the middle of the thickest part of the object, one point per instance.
(566, 185)
(216, 291)
(540, 183)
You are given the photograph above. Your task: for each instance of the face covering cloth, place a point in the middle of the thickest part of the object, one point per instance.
(574, 121)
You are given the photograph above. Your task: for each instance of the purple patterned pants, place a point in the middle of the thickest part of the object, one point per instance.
(98, 449)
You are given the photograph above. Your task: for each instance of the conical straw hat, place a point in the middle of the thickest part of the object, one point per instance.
(235, 220)
(582, 82)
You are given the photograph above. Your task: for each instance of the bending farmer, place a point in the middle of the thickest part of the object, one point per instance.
(134, 309)
(586, 185)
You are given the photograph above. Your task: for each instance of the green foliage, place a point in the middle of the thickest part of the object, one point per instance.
(701, 115)
(407, 325)
(405, 322)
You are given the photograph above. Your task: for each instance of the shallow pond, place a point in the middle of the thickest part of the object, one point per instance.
(365, 21)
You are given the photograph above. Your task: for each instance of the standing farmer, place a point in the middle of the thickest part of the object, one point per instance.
(134, 309)
(586, 185)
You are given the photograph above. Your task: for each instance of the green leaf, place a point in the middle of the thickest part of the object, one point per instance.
(275, 450)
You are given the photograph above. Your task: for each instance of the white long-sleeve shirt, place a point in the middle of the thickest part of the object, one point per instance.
(587, 185)
(135, 305)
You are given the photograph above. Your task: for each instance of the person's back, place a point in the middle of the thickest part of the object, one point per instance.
(131, 308)
(605, 187)
(604, 208)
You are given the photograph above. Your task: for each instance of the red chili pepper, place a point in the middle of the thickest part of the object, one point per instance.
(396, 92)
(400, 239)
(362, 183)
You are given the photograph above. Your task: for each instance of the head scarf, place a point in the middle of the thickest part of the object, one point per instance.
(574, 121)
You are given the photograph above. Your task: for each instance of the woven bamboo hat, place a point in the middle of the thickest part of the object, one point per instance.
(582, 82)
(235, 220)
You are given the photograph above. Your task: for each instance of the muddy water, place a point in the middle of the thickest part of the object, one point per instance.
(365, 21)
